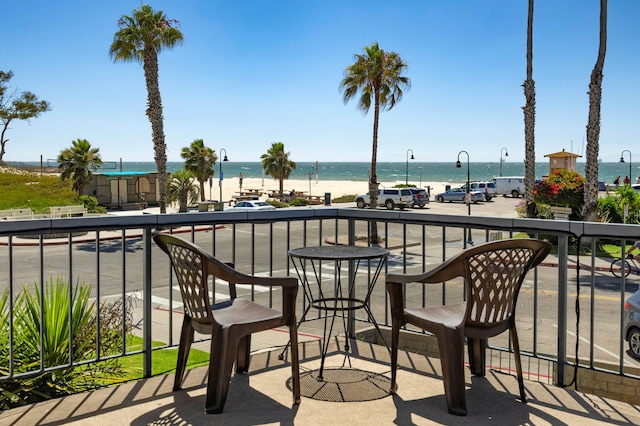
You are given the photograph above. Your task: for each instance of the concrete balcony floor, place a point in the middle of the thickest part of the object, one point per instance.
(263, 396)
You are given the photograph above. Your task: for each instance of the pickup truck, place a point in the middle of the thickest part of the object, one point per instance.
(388, 197)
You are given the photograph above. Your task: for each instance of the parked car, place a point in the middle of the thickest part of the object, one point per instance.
(632, 324)
(489, 188)
(636, 187)
(387, 197)
(252, 205)
(459, 194)
(420, 197)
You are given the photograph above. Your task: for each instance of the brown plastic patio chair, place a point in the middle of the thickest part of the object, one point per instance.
(230, 323)
(493, 273)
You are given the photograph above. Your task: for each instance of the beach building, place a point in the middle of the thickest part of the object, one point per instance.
(562, 160)
(119, 190)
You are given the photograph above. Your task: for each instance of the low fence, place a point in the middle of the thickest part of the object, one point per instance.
(116, 255)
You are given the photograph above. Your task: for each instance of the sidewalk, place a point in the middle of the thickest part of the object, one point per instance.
(263, 396)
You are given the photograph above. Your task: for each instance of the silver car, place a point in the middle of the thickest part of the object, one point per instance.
(632, 324)
(252, 206)
(459, 194)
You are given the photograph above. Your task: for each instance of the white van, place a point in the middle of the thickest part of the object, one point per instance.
(488, 188)
(510, 185)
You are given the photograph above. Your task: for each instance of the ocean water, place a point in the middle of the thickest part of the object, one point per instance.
(417, 172)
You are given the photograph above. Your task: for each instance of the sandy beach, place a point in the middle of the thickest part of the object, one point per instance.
(231, 187)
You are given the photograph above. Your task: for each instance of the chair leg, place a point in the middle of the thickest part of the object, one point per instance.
(477, 349)
(223, 351)
(516, 355)
(295, 362)
(395, 337)
(243, 357)
(186, 338)
(451, 348)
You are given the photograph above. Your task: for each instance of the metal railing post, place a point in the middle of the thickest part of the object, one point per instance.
(351, 319)
(146, 302)
(563, 259)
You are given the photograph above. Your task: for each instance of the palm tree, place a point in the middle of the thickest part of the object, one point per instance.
(77, 162)
(182, 189)
(199, 160)
(593, 125)
(530, 121)
(276, 163)
(377, 76)
(140, 38)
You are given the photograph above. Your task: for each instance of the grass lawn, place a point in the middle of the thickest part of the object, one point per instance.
(164, 361)
(602, 249)
(34, 191)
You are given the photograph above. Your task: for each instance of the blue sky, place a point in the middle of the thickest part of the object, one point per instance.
(254, 72)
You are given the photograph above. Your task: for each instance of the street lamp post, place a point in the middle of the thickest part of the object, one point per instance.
(467, 197)
(222, 176)
(310, 176)
(506, 154)
(406, 182)
(622, 161)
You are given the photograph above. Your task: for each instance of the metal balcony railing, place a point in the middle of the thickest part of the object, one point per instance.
(570, 309)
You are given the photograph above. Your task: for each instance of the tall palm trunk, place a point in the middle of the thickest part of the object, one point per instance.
(202, 196)
(593, 126)
(373, 180)
(530, 121)
(154, 112)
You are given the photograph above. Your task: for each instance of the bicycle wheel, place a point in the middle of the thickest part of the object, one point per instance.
(620, 266)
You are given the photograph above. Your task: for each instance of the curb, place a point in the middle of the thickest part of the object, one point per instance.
(83, 239)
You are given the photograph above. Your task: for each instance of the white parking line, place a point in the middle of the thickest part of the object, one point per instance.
(176, 303)
(613, 355)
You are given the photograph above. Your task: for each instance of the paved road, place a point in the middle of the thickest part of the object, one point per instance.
(251, 257)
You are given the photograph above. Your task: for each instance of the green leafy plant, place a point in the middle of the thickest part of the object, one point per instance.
(61, 322)
(34, 191)
(563, 188)
(91, 204)
(183, 189)
(299, 202)
(344, 198)
(611, 208)
(277, 203)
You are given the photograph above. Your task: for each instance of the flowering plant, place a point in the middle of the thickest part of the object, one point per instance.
(562, 187)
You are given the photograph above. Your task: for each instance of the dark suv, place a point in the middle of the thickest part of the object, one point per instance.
(420, 197)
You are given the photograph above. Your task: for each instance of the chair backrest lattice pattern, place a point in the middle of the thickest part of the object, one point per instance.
(493, 281)
(192, 279)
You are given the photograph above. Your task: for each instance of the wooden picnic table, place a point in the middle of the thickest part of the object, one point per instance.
(243, 196)
(257, 192)
(315, 199)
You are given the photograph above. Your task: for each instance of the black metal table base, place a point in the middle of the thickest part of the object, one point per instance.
(338, 303)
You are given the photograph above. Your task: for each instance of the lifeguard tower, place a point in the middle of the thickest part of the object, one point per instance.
(562, 160)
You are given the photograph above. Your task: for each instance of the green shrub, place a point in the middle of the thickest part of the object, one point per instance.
(299, 202)
(91, 204)
(277, 203)
(348, 198)
(563, 188)
(402, 185)
(64, 341)
(611, 208)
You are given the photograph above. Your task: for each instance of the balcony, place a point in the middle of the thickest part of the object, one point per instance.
(116, 255)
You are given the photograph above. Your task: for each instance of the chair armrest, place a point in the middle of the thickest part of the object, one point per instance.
(289, 292)
(452, 268)
(289, 284)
